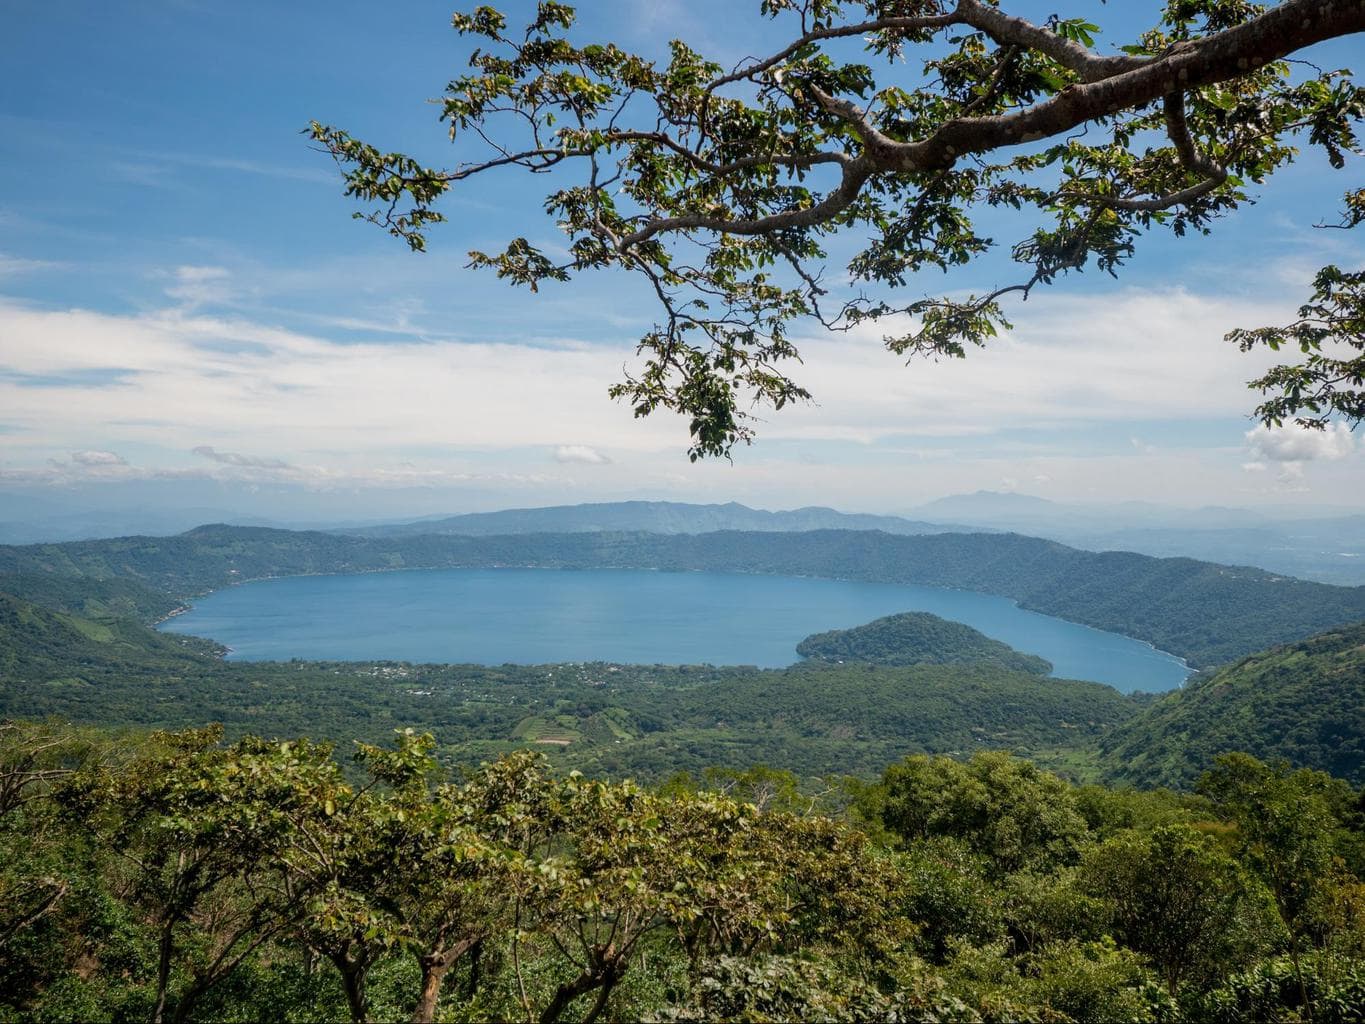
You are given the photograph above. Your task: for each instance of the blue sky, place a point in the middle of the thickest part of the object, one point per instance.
(185, 302)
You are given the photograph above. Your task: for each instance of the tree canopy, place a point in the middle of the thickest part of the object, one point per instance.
(908, 126)
(173, 877)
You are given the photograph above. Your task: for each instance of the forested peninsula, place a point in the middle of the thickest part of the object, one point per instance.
(917, 638)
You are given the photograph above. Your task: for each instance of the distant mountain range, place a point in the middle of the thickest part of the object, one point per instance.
(1329, 549)
(1326, 548)
(667, 517)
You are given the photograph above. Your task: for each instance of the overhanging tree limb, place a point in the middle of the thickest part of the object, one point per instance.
(720, 188)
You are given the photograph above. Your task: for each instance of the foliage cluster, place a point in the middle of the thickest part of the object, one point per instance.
(1303, 701)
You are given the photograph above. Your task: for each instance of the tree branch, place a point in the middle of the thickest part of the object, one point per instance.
(1217, 58)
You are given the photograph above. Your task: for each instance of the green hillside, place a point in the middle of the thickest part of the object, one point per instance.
(917, 638)
(1303, 702)
(50, 649)
(200, 560)
(90, 597)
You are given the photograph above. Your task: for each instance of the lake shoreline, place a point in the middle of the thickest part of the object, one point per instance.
(871, 599)
(1190, 669)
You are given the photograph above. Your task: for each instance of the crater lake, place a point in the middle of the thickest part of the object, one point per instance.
(630, 616)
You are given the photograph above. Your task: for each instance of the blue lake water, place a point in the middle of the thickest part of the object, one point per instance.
(534, 616)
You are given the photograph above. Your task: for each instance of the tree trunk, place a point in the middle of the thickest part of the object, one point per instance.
(185, 1003)
(353, 978)
(568, 992)
(604, 978)
(603, 994)
(432, 976)
(434, 967)
(1298, 974)
(475, 968)
(165, 947)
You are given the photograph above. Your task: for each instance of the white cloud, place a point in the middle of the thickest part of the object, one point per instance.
(1130, 356)
(263, 403)
(1290, 447)
(242, 385)
(237, 459)
(12, 265)
(1293, 443)
(90, 465)
(301, 172)
(98, 458)
(188, 379)
(580, 453)
(197, 286)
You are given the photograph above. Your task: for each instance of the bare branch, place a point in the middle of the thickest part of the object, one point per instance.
(1007, 29)
(920, 24)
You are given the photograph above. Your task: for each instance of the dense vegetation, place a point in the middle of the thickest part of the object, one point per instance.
(55, 649)
(1303, 701)
(91, 597)
(170, 877)
(1208, 614)
(917, 638)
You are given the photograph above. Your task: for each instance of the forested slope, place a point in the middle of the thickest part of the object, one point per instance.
(1302, 702)
(1209, 614)
(57, 651)
(90, 597)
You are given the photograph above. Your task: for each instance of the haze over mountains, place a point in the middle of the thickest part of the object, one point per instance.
(669, 517)
(1328, 547)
